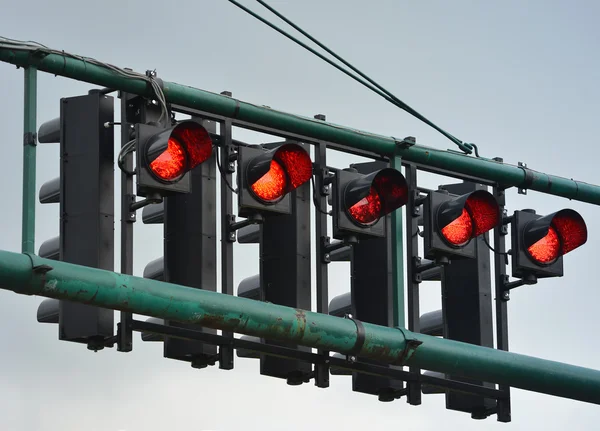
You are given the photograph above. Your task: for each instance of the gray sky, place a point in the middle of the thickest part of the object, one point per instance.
(520, 79)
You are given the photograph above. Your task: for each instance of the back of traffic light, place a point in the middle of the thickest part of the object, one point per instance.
(85, 193)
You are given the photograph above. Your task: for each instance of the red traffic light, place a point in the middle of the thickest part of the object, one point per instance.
(173, 152)
(467, 217)
(275, 173)
(549, 237)
(370, 197)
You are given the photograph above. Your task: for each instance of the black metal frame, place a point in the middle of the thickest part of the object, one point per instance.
(322, 360)
(315, 358)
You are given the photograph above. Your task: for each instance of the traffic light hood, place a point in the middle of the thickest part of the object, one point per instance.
(172, 152)
(551, 236)
(466, 217)
(274, 173)
(370, 197)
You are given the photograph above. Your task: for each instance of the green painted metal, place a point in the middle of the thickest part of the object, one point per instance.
(32, 275)
(29, 160)
(398, 258)
(507, 175)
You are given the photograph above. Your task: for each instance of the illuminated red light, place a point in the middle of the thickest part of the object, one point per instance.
(565, 233)
(169, 165)
(547, 249)
(196, 141)
(460, 230)
(368, 209)
(188, 145)
(388, 191)
(297, 165)
(289, 168)
(479, 215)
(271, 186)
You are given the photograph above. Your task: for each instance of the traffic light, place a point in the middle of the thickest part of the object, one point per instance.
(457, 220)
(451, 222)
(165, 156)
(539, 242)
(267, 176)
(85, 193)
(190, 230)
(275, 183)
(370, 194)
(361, 201)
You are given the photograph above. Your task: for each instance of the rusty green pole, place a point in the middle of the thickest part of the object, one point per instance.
(491, 170)
(29, 160)
(31, 275)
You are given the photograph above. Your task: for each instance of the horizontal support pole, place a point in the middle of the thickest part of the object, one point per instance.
(228, 107)
(31, 275)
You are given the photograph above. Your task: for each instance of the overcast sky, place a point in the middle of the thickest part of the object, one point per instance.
(520, 79)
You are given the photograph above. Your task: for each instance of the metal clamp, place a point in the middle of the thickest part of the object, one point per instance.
(30, 138)
(361, 336)
(409, 349)
(528, 178)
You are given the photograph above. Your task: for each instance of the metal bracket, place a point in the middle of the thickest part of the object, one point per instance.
(528, 178)
(361, 336)
(508, 285)
(42, 269)
(30, 138)
(131, 216)
(153, 199)
(232, 225)
(411, 346)
(328, 247)
(405, 143)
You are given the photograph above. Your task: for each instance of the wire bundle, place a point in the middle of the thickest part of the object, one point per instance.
(19, 45)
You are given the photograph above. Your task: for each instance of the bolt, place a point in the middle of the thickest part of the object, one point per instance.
(352, 358)
(232, 236)
(231, 166)
(327, 257)
(132, 215)
(506, 296)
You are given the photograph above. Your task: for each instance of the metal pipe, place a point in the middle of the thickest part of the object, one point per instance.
(397, 259)
(31, 275)
(220, 105)
(29, 160)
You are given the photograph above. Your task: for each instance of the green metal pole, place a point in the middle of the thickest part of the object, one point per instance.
(398, 258)
(29, 160)
(31, 275)
(507, 175)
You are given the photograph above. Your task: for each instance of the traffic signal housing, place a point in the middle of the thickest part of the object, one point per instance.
(361, 201)
(190, 227)
(451, 222)
(165, 156)
(267, 176)
(539, 242)
(85, 194)
(368, 196)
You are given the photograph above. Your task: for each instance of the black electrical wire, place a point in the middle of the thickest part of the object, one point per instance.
(315, 201)
(223, 175)
(376, 88)
(125, 149)
(505, 254)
